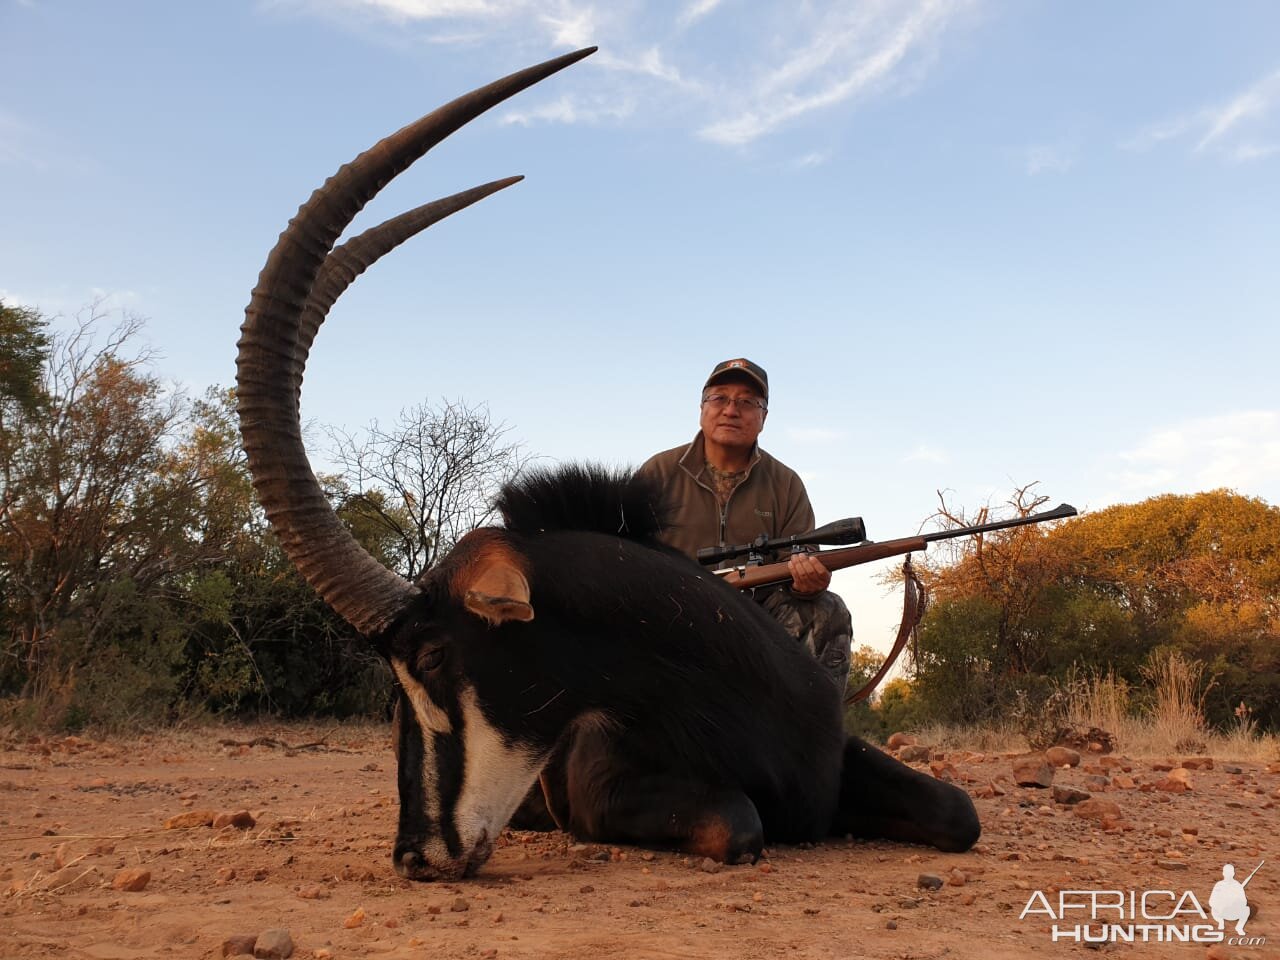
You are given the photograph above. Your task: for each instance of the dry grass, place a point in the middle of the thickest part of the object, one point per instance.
(1162, 718)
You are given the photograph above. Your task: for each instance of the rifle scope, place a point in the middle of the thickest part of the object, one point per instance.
(849, 530)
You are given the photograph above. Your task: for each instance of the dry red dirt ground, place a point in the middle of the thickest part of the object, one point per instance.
(79, 815)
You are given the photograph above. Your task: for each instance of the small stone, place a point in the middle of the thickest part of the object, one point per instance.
(274, 944)
(891, 925)
(241, 820)
(1231, 768)
(1122, 781)
(1032, 771)
(73, 877)
(586, 888)
(1198, 763)
(226, 874)
(1096, 781)
(62, 855)
(1068, 795)
(238, 946)
(131, 879)
(460, 905)
(1172, 864)
(313, 892)
(1096, 809)
(192, 818)
(1062, 757)
(914, 753)
(355, 920)
(957, 878)
(929, 881)
(944, 770)
(899, 740)
(710, 866)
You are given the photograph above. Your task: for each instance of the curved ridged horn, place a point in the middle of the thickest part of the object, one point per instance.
(348, 260)
(268, 368)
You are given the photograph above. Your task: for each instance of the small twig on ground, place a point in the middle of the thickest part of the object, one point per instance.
(289, 748)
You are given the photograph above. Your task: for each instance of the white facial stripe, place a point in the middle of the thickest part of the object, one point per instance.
(430, 717)
(496, 776)
(431, 720)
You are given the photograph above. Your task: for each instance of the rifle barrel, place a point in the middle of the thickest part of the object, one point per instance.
(1060, 512)
(746, 577)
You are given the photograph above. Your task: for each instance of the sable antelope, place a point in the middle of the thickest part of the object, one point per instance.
(659, 706)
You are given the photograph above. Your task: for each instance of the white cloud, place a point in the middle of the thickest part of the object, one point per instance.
(1238, 450)
(696, 11)
(1241, 129)
(1049, 159)
(567, 109)
(924, 453)
(850, 53)
(799, 59)
(15, 299)
(815, 159)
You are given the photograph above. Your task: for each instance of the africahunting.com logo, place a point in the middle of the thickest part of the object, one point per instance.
(1148, 916)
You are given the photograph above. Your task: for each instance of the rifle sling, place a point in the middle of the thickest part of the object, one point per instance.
(914, 601)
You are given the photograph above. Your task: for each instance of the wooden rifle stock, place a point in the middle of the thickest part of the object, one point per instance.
(746, 576)
(761, 575)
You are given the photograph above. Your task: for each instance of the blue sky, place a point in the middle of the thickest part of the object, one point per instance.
(977, 245)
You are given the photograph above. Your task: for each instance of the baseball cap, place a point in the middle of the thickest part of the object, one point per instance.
(752, 371)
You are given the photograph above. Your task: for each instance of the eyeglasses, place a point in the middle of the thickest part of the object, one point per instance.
(718, 401)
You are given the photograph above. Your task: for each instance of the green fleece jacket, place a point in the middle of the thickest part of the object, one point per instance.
(771, 499)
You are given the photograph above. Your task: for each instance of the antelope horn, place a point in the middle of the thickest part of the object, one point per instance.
(273, 347)
(347, 261)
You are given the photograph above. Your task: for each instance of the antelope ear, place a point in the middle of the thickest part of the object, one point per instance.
(499, 592)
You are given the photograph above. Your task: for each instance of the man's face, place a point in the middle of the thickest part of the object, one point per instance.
(735, 423)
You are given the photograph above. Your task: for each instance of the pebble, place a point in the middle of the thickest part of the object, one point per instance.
(891, 925)
(192, 818)
(1032, 771)
(274, 944)
(355, 920)
(1198, 763)
(460, 905)
(73, 877)
(238, 946)
(1062, 757)
(131, 879)
(929, 881)
(241, 820)
(1097, 809)
(915, 753)
(1065, 794)
(710, 866)
(899, 740)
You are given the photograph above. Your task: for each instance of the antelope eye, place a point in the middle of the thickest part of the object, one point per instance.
(431, 659)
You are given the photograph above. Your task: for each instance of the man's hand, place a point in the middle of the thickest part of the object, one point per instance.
(808, 576)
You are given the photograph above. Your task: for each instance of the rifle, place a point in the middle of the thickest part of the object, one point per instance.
(756, 573)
